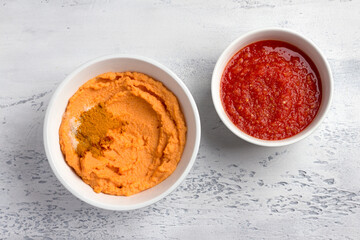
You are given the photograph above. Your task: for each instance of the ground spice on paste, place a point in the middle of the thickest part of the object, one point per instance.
(131, 138)
(91, 133)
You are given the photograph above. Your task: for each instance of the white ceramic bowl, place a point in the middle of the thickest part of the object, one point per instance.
(57, 106)
(295, 39)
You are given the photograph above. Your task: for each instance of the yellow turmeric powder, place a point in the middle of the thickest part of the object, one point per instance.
(91, 133)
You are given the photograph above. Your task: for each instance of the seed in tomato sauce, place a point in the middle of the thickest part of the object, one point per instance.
(271, 90)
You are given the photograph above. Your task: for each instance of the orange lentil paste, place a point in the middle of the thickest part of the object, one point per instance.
(123, 133)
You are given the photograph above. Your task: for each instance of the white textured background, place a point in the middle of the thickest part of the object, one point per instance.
(309, 190)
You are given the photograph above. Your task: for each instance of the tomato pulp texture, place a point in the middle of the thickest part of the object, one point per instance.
(271, 90)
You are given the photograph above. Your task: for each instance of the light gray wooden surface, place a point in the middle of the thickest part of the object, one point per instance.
(309, 190)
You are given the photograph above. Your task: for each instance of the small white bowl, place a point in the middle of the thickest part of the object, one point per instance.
(295, 39)
(57, 106)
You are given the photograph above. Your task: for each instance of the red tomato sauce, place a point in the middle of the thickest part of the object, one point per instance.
(271, 90)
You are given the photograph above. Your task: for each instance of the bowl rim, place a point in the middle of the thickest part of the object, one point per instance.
(50, 156)
(218, 103)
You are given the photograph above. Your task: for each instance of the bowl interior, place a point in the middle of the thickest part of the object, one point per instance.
(282, 35)
(58, 105)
